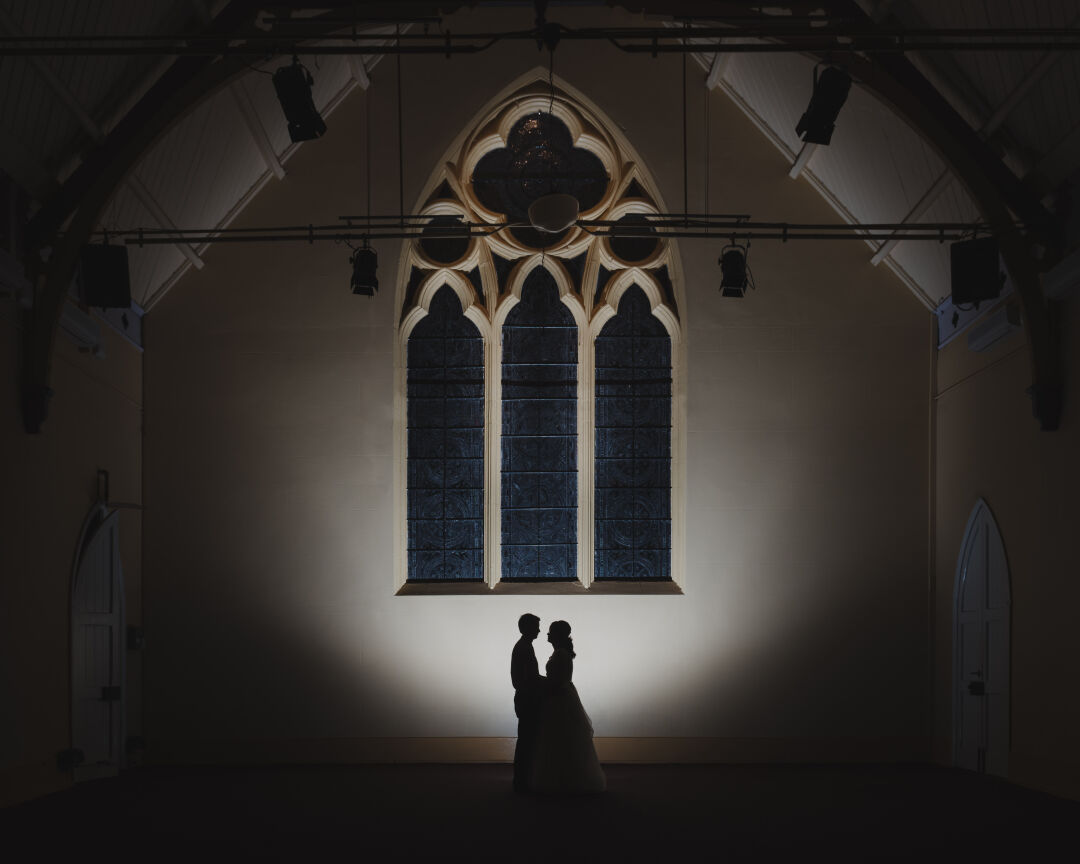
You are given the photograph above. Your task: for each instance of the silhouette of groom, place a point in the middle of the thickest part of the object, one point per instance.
(528, 692)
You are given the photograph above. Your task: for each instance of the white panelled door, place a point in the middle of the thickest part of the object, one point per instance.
(97, 652)
(981, 602)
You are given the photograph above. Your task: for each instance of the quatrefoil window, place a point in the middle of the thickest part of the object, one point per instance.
(539, 159)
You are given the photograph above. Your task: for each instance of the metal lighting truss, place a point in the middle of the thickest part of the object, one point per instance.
(673, 225)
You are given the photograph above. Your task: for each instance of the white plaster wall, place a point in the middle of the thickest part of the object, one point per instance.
(269, 600)
(989, 445)
(48, 483)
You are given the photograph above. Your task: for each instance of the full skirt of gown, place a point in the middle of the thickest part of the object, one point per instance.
(565, 758)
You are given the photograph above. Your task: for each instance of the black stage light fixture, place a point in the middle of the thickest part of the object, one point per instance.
(733, 275)
(293, 86)
(975, 274)
(365, 261)
(103, 279)
(830, 92)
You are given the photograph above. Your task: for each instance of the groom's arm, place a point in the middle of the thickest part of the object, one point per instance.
(518, 671)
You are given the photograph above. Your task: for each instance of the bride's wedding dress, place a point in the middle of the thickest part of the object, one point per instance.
(565, 759)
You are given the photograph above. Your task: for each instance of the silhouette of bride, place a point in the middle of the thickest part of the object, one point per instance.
(564, 758)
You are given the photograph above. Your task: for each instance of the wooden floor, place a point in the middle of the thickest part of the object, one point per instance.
(650, 813)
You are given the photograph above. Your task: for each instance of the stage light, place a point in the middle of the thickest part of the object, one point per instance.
(830, 92)
(103, 277)
(365, 261)
(553, 213)
(734, 279)
(975, 274)
(293, 86)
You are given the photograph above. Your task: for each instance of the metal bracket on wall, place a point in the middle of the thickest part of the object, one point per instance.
(953, 320)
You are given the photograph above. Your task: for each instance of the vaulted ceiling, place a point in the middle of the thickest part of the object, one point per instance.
(1019, 108)
(213, 159)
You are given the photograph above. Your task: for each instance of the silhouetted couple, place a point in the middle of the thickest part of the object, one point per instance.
(555, 750)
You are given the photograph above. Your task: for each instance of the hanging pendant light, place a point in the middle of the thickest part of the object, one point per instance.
(553, 213)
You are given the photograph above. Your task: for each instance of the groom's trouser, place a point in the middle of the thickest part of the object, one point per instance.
(526, 742)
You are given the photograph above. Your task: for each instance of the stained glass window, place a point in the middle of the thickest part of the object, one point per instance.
(445, 386)
(457, 495)
(539, 435)
(539, 159)
(633, 445)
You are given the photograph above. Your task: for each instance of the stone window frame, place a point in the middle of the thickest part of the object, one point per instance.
(420, 277)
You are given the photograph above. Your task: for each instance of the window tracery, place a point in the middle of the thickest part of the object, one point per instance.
(580, 339)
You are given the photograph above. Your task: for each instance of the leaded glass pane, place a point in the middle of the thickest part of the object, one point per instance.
(539, 436)
(539, 159)
(633, 444)
(445, 476)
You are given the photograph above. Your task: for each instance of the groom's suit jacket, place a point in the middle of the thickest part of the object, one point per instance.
(525, 674)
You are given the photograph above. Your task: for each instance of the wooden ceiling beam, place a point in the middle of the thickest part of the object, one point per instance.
(80, 200)
(1000, 195)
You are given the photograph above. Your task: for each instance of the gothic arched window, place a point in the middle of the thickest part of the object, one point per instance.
(445, 444)
(539, 435)
(540, 372)
(633, 444)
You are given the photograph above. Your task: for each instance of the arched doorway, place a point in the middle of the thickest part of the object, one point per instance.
(97, 647)
(981, 607)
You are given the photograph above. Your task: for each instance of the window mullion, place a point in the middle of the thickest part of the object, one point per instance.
(586, 469)
(493, 455)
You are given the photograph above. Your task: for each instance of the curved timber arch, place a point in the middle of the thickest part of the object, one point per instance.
(892, 78)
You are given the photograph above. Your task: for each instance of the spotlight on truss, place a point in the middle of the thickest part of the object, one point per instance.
(830, 92)
(365, 261)
(734, 277)
(975, 274)
(293, 86)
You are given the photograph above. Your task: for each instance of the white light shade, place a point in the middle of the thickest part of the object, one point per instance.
(553, 213)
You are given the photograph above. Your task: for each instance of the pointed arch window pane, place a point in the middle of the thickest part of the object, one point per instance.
(633, 444)
(445, 392)
(539, 435)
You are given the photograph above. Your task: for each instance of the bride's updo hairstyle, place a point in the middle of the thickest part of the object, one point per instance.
(560, 637)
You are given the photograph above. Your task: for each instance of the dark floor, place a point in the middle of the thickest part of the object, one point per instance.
(650, 813)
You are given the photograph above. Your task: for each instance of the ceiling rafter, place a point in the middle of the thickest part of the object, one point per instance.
(157, 212)
(358, 71)
(79, 202)
(901, 85)
(8, 25)
(242, 203)
(244, 105)
(256, 129)
(802, 159)
(995, 189)
(717, 69)
(998, 193)
(25, 168)
(1057, 165)
(830, 198)
(949, 78)
(949, 133)
(993, 123)
(97, 135)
